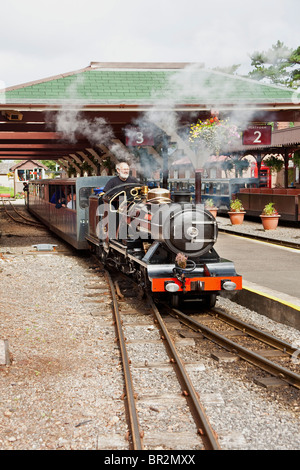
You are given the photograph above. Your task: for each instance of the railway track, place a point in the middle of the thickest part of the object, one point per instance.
(18, 216)
(200, 433)
(258, 349)
(270, 358)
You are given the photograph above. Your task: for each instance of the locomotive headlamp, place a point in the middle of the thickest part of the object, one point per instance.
(171, 286)
(228, 285)
(193, 232)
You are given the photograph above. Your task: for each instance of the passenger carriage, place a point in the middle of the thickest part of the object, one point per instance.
(46, 199)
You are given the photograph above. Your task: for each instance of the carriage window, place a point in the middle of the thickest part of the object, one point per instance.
(84, 195)
(42, 191)
(56, 193)
(70, 201)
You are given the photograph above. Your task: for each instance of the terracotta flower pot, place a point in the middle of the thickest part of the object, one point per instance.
(270, 222)
(213, 211)
(236, 218)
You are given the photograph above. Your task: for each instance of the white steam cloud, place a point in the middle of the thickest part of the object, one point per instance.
(73, 126)
(185, 85)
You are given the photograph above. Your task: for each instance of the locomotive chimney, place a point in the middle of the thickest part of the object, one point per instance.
(197, 186)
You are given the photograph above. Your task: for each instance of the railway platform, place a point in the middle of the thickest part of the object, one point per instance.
(270, 269)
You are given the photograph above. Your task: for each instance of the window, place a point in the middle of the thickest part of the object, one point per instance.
(56, 193)
(21, 175)
(42, 191)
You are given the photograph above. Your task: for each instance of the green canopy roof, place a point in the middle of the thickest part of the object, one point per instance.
(147, 84)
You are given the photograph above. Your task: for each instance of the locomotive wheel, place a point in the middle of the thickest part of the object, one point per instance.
(175, 301)
(209, 301)
(141, 294)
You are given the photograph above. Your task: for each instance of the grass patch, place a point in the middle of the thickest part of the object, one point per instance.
(5, 190)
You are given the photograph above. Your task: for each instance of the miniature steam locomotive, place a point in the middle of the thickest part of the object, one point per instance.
(165, 245)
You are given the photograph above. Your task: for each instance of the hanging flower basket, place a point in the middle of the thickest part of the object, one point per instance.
(214, 134)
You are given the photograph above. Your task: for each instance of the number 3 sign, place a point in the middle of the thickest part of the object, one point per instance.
(257, 135)
(138, 137)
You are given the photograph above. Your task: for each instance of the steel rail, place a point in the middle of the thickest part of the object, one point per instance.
(246, 354)
(255, 332)
(23, 216)
(27, 221)
(130, 395)
(206, 432)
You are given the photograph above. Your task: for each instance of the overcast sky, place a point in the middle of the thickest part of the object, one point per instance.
(40, 38)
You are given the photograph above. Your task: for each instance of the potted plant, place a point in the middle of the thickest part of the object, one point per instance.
(210, 206)
(269, 217)
(236, 212)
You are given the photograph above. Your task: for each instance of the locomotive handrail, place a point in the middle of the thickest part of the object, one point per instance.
(113, 191)
(120, 190)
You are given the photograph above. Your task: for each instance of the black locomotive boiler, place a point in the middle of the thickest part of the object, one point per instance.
(166, 246)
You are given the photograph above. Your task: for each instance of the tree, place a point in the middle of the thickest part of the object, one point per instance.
(274, 163)
(277, 65)
(231, 69)
(51, 164)
(295, 61)
(234, 162)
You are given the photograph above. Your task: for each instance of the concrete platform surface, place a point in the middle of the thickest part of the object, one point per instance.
(271, 273)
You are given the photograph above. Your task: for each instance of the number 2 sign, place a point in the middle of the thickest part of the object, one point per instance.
(257, 135)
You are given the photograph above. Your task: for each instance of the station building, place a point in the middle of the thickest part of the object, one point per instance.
(87, 120)
(25, 171)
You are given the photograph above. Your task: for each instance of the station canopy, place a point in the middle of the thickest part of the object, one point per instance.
(106, 109)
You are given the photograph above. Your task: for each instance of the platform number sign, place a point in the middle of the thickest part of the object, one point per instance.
(257, 135)
(136, 137)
